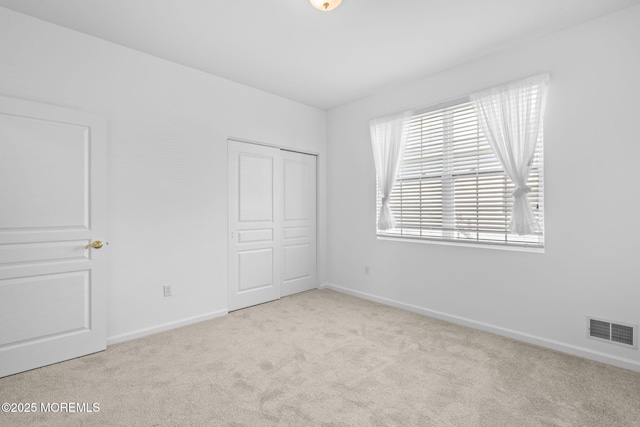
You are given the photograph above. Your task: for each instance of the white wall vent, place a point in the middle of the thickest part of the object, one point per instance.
(616, 333)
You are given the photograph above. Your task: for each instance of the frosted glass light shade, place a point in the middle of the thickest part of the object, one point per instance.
(325, 5)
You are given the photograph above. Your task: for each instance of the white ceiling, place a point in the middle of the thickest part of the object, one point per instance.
(323, 59)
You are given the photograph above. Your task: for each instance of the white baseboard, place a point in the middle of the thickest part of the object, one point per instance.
(586, 353)
(165, 327)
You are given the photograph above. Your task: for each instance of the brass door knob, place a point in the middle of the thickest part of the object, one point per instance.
(95, 245)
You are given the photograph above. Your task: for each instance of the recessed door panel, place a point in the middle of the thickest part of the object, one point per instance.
(71, 313)
(297, 189)
(43, 251)
(297, 262)
(44, 173)
(255, 187)
(255, 236)
(297, 232)
(255, 269)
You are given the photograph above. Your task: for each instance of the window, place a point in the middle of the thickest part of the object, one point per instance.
(451, 186)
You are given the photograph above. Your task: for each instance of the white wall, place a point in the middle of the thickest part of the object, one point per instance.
(592, 147)
(167, 139)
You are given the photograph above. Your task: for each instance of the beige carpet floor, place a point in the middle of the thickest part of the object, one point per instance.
(322, 358)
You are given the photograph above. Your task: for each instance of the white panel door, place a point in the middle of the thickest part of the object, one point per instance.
(254, 220)
(298, 222)
(52, 205)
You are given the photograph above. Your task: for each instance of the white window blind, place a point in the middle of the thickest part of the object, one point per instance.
(451, 186)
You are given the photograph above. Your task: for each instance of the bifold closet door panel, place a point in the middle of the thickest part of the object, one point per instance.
(298, 222)
(254, 241)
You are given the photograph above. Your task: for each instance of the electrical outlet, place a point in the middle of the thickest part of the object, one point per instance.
(167, 290)
(366, 270)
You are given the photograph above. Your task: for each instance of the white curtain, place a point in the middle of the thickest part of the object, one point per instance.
(511, 118)
(388, 139)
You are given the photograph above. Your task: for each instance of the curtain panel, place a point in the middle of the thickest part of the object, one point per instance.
(511, 118)
(388, 139)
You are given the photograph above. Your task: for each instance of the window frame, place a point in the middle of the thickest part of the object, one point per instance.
(537, 245)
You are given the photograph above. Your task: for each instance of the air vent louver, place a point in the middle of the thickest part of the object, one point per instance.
(600, 329)
(612, 332)
(622, 334)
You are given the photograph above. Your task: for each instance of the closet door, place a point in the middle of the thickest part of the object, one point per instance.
(298, 222)
(255, 259)
(272, 223)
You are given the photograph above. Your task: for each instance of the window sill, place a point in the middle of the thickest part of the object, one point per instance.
(539, 250)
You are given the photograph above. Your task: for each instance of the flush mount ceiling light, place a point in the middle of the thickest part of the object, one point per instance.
(325, 5)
